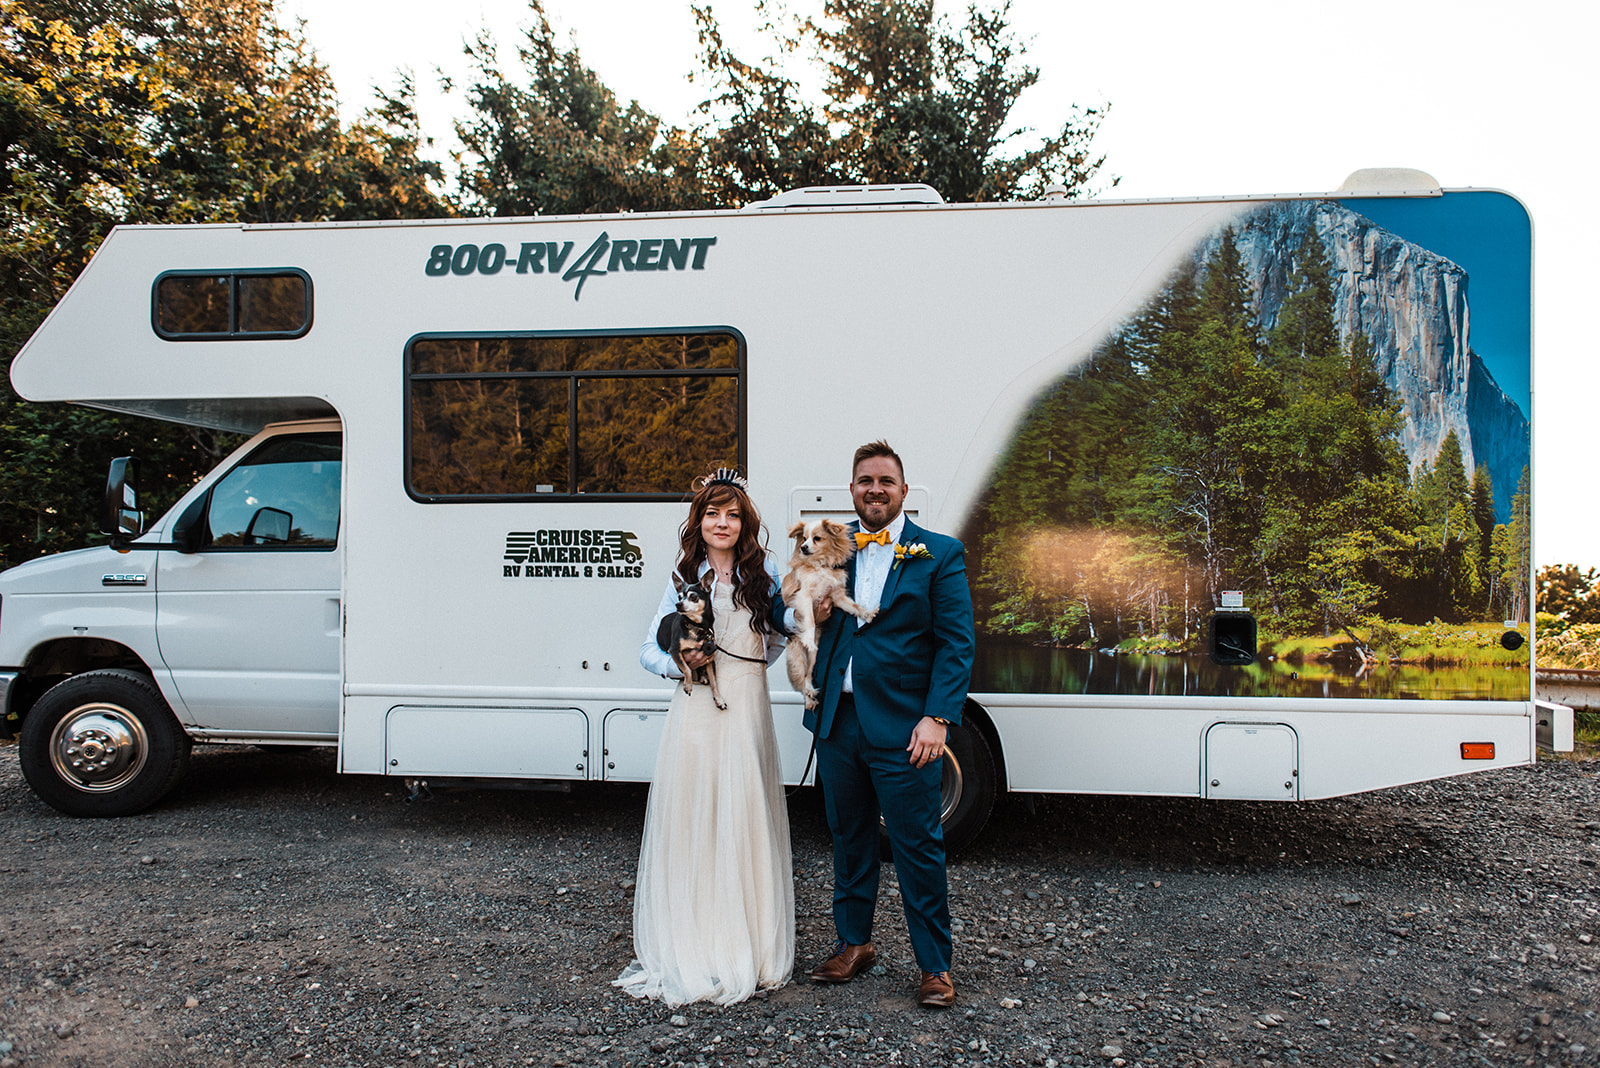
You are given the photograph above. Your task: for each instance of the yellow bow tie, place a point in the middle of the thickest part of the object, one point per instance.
(863, 539)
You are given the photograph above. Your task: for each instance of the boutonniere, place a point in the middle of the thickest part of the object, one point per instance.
(915, 551)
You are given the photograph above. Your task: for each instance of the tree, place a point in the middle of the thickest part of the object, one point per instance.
(152, 111)
(923, 100)
(1305, 338)
(907, 98)
(1449, 548)
(1566, 591)
(561, 143)
(1514, 548)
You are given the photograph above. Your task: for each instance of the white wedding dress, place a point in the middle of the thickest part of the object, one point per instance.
(713, 908)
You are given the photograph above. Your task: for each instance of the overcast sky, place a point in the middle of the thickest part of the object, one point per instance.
(1230, 97)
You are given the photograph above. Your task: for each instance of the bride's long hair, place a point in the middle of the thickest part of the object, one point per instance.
(752, 586)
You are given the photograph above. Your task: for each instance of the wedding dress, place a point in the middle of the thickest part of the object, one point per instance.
(713, 908)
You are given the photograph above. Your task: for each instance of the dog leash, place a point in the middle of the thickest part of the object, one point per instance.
(806, 770)
(811, 756)
(747, 659)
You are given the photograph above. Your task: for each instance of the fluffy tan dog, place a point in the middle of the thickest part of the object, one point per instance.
(816, 572)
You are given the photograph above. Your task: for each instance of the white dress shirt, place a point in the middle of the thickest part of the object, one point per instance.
(873, 564)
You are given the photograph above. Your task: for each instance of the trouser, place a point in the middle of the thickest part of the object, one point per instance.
(860, 781)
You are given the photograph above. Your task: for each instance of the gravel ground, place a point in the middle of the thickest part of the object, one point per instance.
(272, 912)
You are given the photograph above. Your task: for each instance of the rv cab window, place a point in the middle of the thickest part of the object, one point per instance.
(283, 495)
(592, 416)
(242, 305)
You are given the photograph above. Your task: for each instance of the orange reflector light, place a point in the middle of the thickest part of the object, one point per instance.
(1477, 750)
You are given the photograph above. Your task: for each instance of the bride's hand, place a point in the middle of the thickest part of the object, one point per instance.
(695, 659)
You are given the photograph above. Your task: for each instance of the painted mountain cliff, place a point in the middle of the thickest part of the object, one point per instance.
(1413, 308)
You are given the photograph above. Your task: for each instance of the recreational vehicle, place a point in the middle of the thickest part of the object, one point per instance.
(1245, 505)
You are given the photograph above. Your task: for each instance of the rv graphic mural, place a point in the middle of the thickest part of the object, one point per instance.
(1300, 414)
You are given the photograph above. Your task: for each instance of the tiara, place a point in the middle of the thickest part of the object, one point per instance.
(725, 476)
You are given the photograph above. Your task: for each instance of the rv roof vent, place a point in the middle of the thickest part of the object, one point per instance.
(1055, 191)
(850, 196)
(1390, 180)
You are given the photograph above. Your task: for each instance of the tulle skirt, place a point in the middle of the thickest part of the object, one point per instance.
(713, 910)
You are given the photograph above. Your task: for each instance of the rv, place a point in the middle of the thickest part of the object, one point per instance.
(1236, 484)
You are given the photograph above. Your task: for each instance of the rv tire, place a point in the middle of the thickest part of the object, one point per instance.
(103, 743)
(968, 791)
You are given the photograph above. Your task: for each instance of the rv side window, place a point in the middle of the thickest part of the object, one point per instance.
(231, 305)
(524, 417)
(284, 495)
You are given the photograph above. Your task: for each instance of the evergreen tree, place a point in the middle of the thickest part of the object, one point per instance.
(1305, 346)
(907, 98)
(562, 143)
(1181, 460)
(1449, 547)
(924, 101)
(1326, 559)
(1482, 512)
(1517, 553)
(1444, 490)
(1225, 293)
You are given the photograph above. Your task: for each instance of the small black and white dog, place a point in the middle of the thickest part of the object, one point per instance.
(691, 628)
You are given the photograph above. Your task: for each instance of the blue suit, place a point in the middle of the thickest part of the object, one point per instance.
(913, 660)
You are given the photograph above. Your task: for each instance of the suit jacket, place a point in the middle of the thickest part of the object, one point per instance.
(914, 659)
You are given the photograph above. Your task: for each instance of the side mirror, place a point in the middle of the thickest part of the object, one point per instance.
(269, 526)
(189, 529)
(120, 516)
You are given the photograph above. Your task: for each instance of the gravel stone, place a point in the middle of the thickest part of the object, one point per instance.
(302, 917)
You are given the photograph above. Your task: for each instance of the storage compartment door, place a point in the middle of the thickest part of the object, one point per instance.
(512, 743)
(1252, 762)
(632, 736)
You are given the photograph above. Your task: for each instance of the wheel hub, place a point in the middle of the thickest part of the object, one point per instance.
(98, 748)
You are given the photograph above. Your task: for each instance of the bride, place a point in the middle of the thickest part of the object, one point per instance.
(713, 909)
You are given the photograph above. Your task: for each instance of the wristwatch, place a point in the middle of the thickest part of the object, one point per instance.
(940, 720)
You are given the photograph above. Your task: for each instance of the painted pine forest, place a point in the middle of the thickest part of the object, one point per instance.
(1198, 451)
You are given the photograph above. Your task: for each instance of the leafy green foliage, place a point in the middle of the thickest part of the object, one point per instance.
(1569, 593)
(152, 111)
(907, 98)
(560, 144)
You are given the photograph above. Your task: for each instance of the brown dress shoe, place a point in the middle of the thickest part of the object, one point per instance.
(938, 990)
(845, 964)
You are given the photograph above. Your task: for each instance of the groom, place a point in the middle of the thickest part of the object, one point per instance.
(891, 689)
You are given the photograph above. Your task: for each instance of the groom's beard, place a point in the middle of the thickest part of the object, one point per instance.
(879, 513)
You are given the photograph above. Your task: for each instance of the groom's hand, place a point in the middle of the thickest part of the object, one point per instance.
(927, 741)
(821, 609)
